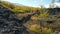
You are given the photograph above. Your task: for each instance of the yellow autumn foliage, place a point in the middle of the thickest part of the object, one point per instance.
(37, 28)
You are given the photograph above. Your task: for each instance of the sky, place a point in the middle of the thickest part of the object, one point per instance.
(33, 3)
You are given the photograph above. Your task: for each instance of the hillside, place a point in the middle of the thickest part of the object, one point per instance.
(18, 8)
(15, 19)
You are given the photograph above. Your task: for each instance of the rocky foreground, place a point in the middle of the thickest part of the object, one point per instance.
(9, 23)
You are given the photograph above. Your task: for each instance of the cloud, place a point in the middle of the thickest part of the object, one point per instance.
(46, 6)
(55, 4)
